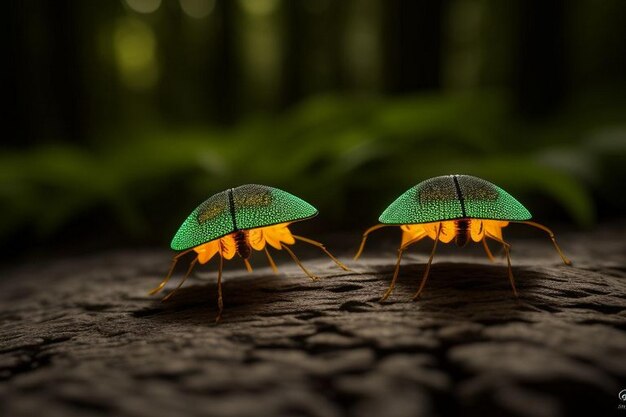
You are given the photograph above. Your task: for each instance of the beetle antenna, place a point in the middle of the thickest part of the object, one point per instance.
(220, 300)
(566, 261)
(507, 247)
(271, 261)
(323, 248)
(367, 232)
(430, 261)
(296, 260)
(169, 274)
(191, 265)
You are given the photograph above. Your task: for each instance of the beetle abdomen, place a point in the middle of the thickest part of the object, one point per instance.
(462, 232)
(243, 247)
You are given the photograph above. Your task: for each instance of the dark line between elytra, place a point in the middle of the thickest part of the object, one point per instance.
(459, 195)
(231, 203)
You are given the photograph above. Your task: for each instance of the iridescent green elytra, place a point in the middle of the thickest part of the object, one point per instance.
(245, 207)
(452, 197)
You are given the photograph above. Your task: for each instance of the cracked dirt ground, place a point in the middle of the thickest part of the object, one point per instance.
(80, 337)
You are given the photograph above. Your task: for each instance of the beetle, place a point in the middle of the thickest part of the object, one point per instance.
(238, 221)
(454, 207)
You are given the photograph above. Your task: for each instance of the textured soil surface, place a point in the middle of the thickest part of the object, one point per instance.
(80, 336)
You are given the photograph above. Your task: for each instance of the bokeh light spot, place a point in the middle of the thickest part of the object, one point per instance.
(197, 9)
(135, 53)
(143, 6)
(259, 7)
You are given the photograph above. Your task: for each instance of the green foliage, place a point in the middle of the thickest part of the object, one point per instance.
(348, 156)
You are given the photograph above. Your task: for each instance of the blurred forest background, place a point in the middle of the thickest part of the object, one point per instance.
(124, 115)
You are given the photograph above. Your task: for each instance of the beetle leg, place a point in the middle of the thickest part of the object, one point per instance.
(248, 266)
(220, 300)
(396, 271)
(487, 250)
(427, 270)
(271, 261)
(506, 246)
(566, 261)
(297, 261)
(395, 276)
(169, 274)
(367, 232)
(191, 265)
(321, 246)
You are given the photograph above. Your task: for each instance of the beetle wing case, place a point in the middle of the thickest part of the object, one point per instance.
(245, 207)
(451, 197)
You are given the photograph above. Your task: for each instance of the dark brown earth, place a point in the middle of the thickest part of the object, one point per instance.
(80, 337)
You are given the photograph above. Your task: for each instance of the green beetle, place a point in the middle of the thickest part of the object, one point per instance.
(454, 207)
(237, 221)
